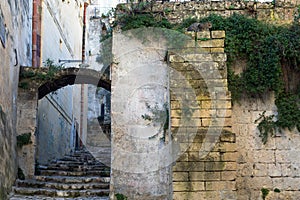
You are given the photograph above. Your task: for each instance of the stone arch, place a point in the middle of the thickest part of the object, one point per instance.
(70, 76)
(34, 84)
(45, 81)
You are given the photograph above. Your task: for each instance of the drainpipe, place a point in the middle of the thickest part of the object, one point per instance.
(82, 85)
(36, 33)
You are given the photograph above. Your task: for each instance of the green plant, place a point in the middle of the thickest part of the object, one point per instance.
(27, 74)
(272, 55)
(167, 10)
(40, 75)
(23, 139)
(231, 7)
(120, 196)
(266, 126)
(276, 190)
(24, 85)
(235, 84)
(52, 68)
(288, 106)
(129, 22)
(158, 116)
(184, 24)
(297, 15)
(265, 193)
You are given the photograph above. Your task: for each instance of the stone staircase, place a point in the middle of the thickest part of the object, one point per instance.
(76, 176)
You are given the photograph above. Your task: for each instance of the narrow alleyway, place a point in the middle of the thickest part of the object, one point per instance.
(76, 176)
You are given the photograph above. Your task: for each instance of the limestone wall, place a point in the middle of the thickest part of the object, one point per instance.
(26, 123)
(200, 142)
(240, 166)
(273, 166)
(15, 50)
(283, 11)
(201, 120)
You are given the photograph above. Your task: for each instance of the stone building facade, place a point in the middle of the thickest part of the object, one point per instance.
(15, 50)
(238, 166)
(235, 165)
(98, 116)
(59, 112)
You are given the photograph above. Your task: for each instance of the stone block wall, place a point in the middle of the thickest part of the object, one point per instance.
(282, 11)
(206, 148)
(15, 50)
(274, 166)
(26, 123)
(235, 165)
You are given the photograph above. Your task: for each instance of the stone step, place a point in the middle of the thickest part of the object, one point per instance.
(75, 176)
(61, 186)
(39, 197)
(74, 167)
(59, 193)
(75, 158)
(78, 153)
(74, 173)
(76, 179)
(74, 162)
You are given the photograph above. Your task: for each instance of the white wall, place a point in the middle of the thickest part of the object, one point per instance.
(62, 28)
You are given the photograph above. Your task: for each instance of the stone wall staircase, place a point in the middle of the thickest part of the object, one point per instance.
(76, 176)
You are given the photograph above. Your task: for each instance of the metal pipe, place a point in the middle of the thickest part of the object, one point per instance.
(36, 33)
(68, 61)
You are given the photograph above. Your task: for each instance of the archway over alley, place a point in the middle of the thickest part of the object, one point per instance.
(36, 83)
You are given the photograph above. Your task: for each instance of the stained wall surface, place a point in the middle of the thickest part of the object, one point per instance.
(15, 50)
(239, 166)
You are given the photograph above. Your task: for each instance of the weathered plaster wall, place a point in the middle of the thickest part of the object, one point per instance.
(54, 140)
(15, 50)
(239, 165)
(202, 143)
(140, 164)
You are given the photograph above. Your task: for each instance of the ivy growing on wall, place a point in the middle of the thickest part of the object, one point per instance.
(160, 117)
(39, 75)
(23, 139)
(272, 55)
